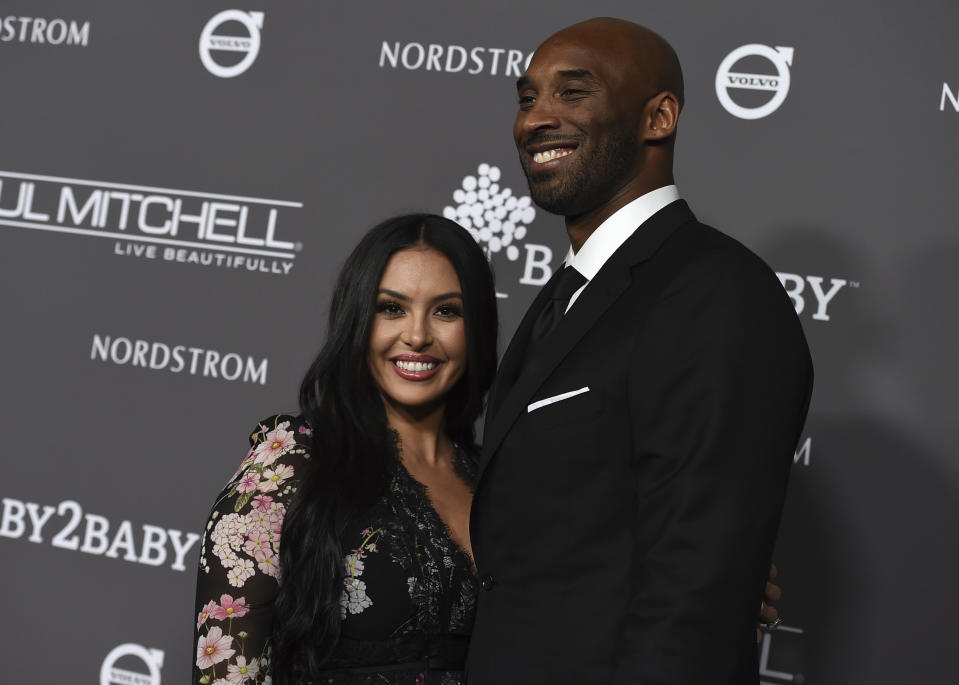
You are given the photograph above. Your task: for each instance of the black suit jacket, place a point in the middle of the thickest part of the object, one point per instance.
(623, 535)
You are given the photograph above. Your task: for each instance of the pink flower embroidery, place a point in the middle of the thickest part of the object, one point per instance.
(248, 483)
(258, 520)
(205, 614)
(266, 561)
(275, 443)
(229, 608)
(257, 540)
(241, 571)
(213, 648)
(262, 502)
(276, 518)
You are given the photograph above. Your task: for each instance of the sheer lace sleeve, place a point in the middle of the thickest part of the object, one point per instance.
(237, 578)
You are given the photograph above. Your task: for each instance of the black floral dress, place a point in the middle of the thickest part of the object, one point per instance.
(409, 594)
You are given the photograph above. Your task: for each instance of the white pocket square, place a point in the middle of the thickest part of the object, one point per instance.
(555, 398)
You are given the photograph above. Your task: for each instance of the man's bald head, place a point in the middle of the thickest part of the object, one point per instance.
(640, 60)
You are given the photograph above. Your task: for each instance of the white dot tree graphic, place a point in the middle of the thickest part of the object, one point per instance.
(495, 217)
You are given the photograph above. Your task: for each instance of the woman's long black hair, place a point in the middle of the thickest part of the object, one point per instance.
(353, 447)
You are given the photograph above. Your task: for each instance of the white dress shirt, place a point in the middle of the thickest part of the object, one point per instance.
(612, 233)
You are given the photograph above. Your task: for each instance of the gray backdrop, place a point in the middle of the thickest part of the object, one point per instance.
(169, 233)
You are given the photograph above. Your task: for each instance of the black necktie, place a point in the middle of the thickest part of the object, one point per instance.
(570, 280)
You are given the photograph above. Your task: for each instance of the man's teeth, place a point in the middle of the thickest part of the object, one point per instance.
(415, 366)
(546, 155)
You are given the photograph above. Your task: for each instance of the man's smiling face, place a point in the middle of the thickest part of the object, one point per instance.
(576, 131)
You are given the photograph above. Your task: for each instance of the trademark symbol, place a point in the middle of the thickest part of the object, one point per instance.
(853, 284)
(299, 248)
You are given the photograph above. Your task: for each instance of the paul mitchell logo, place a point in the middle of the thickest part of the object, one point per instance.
(498, 221)
(185, 226)
(213, 45)
(778, 83)
(948, 96)
(150, 659)
(454, 59)
(39, 30)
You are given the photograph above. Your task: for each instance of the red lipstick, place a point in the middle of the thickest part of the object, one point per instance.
(417, 366)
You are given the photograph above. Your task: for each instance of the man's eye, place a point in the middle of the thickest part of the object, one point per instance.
(573, 91)
(526, 100)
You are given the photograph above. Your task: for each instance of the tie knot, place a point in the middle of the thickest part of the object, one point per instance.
(570, 280)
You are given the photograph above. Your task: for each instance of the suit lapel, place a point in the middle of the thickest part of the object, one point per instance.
(514, 391)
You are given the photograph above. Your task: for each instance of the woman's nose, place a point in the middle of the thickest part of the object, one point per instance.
(417, 333)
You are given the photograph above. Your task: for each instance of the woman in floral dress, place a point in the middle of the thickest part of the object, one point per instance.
(368, 488)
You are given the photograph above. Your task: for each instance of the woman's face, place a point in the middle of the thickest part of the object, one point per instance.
(418, 341)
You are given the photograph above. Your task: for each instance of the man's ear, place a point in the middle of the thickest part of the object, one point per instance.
(661, 116)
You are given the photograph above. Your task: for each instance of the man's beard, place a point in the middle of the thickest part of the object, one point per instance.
(587, 181)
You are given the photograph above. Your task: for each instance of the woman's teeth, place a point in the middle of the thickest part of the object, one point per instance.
(415, 366)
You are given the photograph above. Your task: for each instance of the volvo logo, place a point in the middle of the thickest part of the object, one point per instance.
(778, 83)
(211, 42)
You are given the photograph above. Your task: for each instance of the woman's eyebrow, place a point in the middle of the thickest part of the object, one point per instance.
(393, 293)
(401, 296)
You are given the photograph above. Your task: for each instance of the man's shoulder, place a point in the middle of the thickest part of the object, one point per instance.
(711, 243)
(677, 240)
(697, 250)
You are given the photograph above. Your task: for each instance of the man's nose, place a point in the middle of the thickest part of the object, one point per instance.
(541, 115)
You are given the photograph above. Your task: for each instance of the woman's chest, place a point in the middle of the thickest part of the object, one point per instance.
(402, 570)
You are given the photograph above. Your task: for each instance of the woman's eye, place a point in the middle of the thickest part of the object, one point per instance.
(448, 311)
(389, 308)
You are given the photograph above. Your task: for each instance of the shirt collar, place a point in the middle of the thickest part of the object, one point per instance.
(613, 232)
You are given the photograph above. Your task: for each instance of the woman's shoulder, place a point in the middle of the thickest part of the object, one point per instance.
(285, 428)
(278, 438)
(244, 525)
(280, 447)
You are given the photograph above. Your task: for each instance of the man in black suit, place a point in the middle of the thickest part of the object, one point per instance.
(645, 416)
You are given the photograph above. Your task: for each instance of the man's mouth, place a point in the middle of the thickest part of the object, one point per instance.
(549, 155)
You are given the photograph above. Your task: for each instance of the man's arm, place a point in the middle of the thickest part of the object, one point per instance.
(718, 397)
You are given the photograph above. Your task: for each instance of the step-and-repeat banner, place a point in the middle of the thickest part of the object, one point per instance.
(179, 183)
